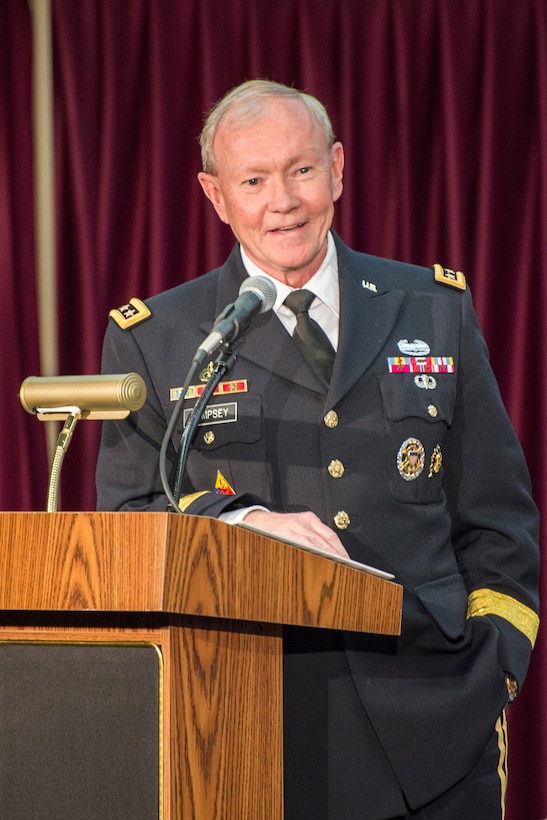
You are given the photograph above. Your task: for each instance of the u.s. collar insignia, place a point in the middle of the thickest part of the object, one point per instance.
(447, 276)
(131, 314)
(414, 348)
(370, 286)
(410, 459)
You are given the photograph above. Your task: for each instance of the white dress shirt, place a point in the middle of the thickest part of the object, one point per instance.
(325, 309)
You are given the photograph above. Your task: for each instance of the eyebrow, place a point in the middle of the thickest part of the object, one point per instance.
(299, 160)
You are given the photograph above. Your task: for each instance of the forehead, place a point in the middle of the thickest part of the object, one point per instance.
(278, 127)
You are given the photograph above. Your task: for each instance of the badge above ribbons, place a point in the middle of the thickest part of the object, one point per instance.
(415, 348)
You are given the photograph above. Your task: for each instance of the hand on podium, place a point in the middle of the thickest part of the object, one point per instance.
(304, 527)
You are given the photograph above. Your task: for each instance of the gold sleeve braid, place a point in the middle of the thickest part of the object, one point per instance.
(489, 602)
(189, 499)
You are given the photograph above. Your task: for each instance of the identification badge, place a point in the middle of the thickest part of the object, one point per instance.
(215, 414)
(411, 459)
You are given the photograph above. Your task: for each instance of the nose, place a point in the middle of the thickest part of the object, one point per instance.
(282, 195)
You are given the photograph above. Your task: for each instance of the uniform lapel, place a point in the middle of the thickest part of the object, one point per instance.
(368, 311)
(270, 346)
(267, 343)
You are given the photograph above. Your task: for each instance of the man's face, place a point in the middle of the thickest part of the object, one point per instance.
(276, 185)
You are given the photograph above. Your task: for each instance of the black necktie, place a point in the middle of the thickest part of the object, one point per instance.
(311, 340)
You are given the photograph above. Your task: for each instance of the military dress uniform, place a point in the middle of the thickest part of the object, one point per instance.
(410, 457)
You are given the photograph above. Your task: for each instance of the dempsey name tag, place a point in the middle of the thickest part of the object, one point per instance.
(215, 414)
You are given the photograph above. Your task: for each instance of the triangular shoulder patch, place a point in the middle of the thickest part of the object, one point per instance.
(452, 278)
(131, 314)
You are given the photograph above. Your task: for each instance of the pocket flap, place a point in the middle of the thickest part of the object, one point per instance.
(402, 398)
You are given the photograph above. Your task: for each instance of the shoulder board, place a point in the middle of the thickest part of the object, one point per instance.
(452, 278)
(131, 314)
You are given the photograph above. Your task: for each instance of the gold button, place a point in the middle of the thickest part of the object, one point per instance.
(336, 468)
(342, 520)
(331, 419)
(209, 437)
(432, 410)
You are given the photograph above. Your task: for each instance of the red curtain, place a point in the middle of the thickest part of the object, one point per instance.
(442, 108)
(23, 471)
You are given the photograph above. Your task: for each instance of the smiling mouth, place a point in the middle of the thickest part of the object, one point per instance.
(288, 228)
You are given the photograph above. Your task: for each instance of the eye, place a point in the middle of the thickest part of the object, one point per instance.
(253, 182)
(305, 170)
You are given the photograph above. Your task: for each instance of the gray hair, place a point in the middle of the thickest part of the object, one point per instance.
(244, 103)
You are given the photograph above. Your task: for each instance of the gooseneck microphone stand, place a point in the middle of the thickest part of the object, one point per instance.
(223, 364)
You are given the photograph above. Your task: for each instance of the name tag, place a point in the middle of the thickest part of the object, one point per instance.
(215, 414)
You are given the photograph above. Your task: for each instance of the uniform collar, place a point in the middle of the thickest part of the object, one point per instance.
(324, 283)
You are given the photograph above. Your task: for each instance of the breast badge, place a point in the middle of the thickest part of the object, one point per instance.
(436, 461)
(414, 348)
(411, 459)
(425, 382)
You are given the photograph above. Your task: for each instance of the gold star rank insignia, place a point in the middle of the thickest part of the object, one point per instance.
(131, 314)
(447, 276)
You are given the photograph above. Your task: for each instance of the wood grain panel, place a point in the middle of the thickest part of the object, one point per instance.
(186, 564)
(212, 598)
(226, 723)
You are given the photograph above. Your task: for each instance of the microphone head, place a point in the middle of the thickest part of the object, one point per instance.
(264, 288)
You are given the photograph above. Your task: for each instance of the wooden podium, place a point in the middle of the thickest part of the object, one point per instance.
(197, 607)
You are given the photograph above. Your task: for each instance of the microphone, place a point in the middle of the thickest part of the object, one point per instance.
(257, 294)
(54, 398)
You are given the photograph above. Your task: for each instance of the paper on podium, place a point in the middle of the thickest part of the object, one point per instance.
(348, 562)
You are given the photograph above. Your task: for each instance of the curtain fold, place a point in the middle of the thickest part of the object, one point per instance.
(23, 474)
(442, 109)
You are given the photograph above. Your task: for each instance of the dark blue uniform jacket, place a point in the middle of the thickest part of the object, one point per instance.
(430, 483)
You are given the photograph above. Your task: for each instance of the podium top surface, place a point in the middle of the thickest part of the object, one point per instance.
(193, 565)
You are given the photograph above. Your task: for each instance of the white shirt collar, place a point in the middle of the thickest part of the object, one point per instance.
(324, 283)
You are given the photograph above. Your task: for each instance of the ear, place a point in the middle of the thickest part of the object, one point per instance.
(337, 168)
(212, 190)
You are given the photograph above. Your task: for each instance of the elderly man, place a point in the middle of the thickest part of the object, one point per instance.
(387, 441)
